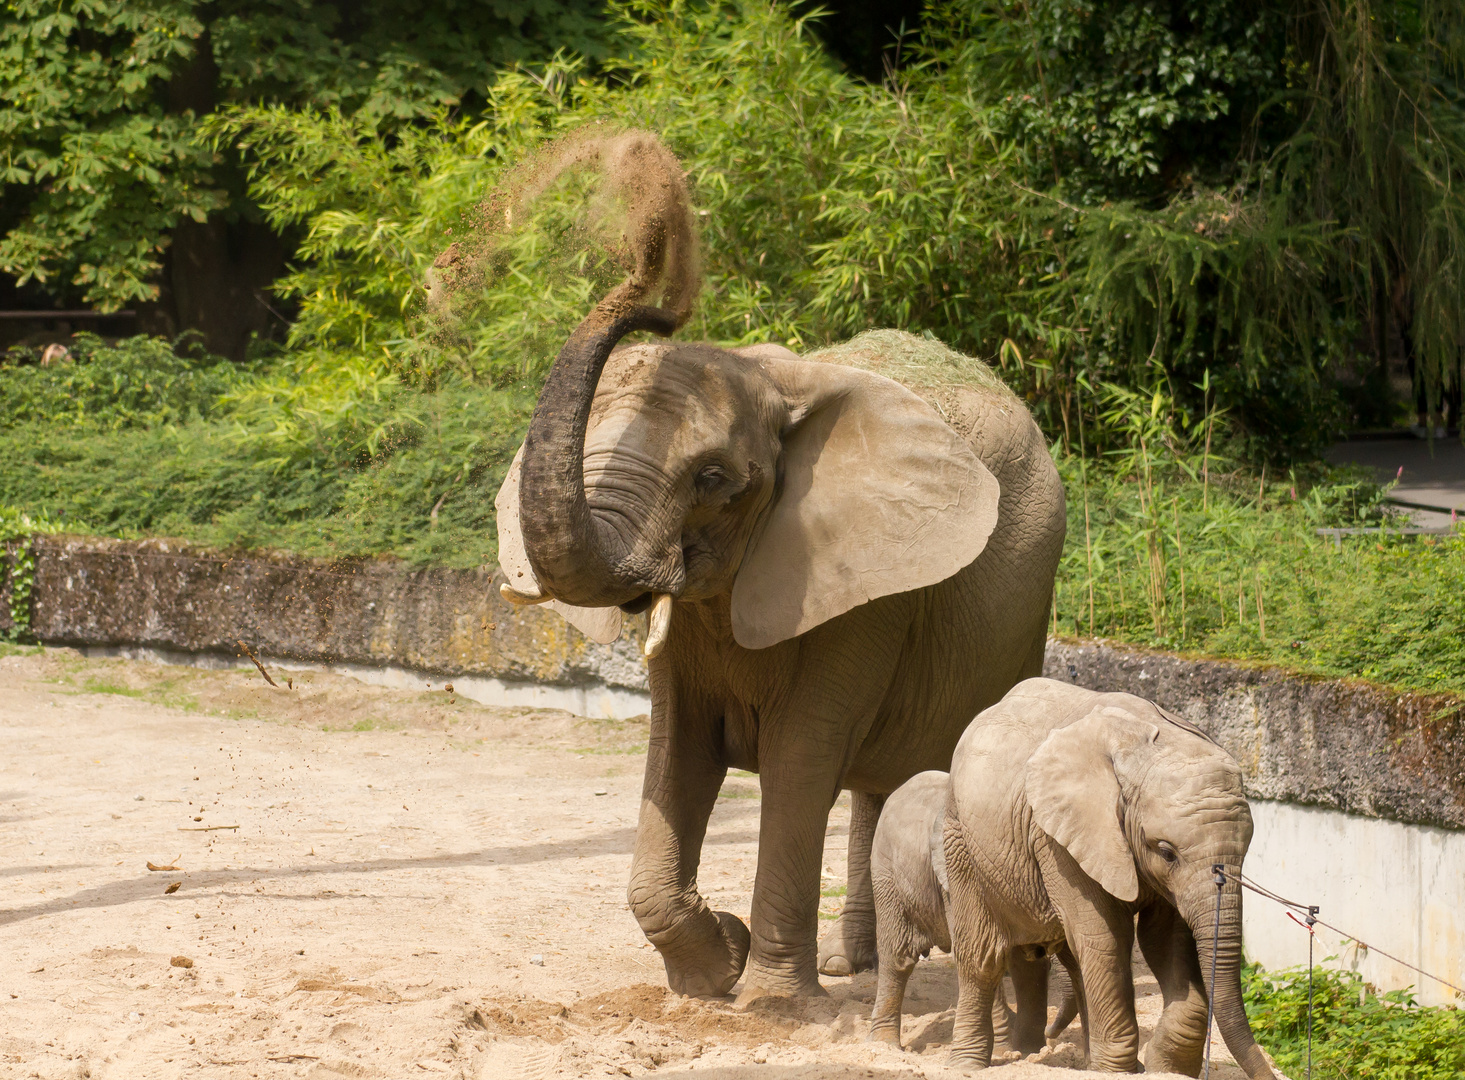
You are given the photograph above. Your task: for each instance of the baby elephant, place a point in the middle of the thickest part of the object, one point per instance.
(908, 873)
(1071, 812)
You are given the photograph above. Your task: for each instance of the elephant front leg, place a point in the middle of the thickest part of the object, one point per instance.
(783, 957)
(704, 950)
(1178, 1043)
(849, 947)
(1100, 934)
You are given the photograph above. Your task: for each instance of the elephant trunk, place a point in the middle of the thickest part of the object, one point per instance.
(1220, 961)
(576, 558)
(573, 559)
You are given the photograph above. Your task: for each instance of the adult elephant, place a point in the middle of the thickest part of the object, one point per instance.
(839, 577)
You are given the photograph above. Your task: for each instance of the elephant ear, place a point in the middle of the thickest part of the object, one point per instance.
(598, 624)
(879, 496)
(1073, 790)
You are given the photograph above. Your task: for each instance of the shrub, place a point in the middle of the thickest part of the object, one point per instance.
(1357, 1032)
(140, 382)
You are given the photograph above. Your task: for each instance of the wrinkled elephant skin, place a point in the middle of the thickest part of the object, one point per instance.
(1070, 813)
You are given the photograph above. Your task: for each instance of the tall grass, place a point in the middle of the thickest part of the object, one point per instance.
(1171, 546)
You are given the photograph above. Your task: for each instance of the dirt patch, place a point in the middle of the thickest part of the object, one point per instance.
(440, 891)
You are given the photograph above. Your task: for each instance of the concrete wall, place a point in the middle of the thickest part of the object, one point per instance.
(1399, 888)
(158, 595)
(1343, 744)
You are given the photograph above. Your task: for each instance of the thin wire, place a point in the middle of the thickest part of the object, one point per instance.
(1220, 878)
(1310, 912)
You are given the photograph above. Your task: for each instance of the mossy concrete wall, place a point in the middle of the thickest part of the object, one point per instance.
(1342, 744)
(1339, 744)
(160, 595)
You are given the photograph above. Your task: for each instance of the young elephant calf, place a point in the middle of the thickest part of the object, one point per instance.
(1070, 813)
(908, 873)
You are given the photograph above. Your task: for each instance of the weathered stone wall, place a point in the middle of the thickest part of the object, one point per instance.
(1343, 744)
(1338, 744)
(159, 594)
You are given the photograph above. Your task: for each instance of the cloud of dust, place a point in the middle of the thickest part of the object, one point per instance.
(641, 214)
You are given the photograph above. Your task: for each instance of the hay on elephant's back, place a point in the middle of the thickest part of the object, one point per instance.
(936, 371)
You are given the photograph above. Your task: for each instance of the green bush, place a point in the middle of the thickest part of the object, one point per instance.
(1356, 1031)
(425, 494)
(139, 382)
(1170, 546)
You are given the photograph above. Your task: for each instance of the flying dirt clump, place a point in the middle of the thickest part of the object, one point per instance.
(640, 194)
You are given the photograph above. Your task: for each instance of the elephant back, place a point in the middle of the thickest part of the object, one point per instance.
(963, 390)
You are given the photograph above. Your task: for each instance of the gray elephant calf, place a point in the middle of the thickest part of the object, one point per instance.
(908, 876)
(1071, 812)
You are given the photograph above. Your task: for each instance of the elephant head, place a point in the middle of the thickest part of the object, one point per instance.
(1145, 802)
(662, 472)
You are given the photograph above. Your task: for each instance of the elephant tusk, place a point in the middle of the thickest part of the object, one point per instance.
(658, 625)
(524, 599)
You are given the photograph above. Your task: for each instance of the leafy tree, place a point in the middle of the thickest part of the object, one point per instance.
(1263, 190)
(87, 148)
(100, 101)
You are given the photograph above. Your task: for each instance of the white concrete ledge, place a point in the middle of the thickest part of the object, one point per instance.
(597, 700)
(1400, 888)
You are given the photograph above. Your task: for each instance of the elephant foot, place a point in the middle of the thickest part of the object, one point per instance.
(711, 970)
(848, 948)
(885, 1033)
(765, 982)
(1162, 1058)
(967, 1060)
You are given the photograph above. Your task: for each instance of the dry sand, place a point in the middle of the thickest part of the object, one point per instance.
(417, 886)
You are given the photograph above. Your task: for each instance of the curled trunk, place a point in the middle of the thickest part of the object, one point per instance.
(1220, 962)
(574, 560)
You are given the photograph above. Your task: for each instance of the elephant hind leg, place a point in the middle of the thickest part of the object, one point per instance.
(1074, 1003)
(850, 945)
(894, 972)
(1030, 986)
(1067, 1002)
(981, 957)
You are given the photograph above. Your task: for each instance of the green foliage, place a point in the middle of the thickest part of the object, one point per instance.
(1118, 99)
(1357, 1032)
(829, 206)
(100, 102)
(1259, 191)
(86, 146)
(426, 494)
(1208, 212)
(138, 382)
(18, 563)
(1172, 547)
(374, 215)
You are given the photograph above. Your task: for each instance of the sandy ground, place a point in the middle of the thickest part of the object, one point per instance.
(391, 884)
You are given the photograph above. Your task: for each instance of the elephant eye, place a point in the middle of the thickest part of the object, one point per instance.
(1167, 851)
(710, 478)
